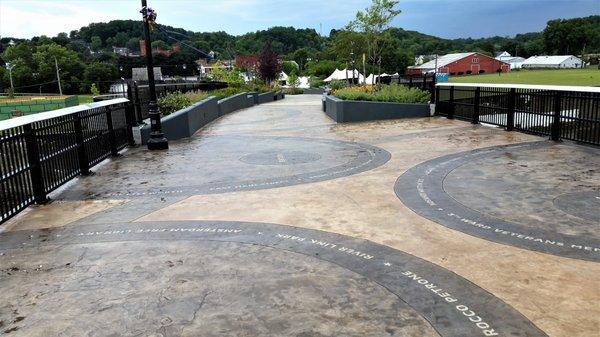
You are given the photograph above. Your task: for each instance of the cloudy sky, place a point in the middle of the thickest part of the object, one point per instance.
(444, 18)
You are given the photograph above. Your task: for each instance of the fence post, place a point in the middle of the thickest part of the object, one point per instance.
(129, 120)
(112, 137)
(451, 104)
(476, 105)
(555, 132)
(510, 113)
(84, 165)
(136, 102)
(35, 165)
(437, 100)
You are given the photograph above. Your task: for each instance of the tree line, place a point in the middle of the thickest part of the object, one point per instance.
(85, 56)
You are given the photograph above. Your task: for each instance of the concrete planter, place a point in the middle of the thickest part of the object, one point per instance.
(235, 102)
(343, 111)
(185, 122)
(266, 97)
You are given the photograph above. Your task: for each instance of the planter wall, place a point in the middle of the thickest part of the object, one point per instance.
(235, 102)
(266, 97)
(343, 111)
(185, 122)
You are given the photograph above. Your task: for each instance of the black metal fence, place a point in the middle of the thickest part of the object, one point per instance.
(41, 152)
(424, 82)
(555, 112)
(139, 94)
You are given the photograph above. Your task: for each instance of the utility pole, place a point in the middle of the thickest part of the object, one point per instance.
(10, 68)
(157, 139)
(364, 69)
(58, 76)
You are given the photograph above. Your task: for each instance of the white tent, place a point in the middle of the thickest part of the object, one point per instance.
(344, 74)
(304, 82)
(372, 79)
(336, 75)
(283, 77)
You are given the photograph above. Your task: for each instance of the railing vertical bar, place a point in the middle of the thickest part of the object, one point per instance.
(35, 164)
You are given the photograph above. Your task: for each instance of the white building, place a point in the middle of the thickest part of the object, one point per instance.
(515, 62)
(555, 61)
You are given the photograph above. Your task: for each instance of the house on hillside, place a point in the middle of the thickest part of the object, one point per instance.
(554, 61)
(207, 67)
(515, 62)
(175, 48)
(460, 64)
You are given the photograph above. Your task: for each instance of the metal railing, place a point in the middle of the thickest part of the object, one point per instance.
(139, 94)
(559, 112)
(424, 82)
(41, 152)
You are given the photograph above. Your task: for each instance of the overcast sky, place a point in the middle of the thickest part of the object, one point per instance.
(443, 18)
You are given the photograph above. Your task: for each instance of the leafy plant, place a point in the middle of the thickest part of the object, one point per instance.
(316, 82)
(172, 102)
(293, 91)
(94, 90)
(293, 80)
(269, 65)
(337, 84)
(386, 93)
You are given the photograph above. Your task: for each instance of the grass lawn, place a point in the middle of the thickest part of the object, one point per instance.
(586, 77)
(84, 99)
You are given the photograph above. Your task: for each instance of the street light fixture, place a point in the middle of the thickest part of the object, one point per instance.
(157, 140)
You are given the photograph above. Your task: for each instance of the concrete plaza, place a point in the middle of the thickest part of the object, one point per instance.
(276, 221)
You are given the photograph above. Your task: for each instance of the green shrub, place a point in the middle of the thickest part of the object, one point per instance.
(172, 102)
(10, 92)
(94, 90)
(316, 82)
(226, 92)
(387, 93)
(293, 91)
(337, 84)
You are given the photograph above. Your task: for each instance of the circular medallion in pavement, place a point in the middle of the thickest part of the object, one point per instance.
(218, 164)
(584, 205)
(201, 278)
(282, 157)
(520, 195)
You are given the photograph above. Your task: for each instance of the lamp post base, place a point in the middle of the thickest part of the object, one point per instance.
(158, 141)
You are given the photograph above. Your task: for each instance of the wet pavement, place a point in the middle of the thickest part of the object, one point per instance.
(275, 220)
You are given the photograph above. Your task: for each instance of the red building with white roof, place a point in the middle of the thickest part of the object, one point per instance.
(461, 64)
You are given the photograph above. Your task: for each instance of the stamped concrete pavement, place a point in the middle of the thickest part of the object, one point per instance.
(324, 245)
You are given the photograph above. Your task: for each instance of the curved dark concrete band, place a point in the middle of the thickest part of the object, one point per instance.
(452, 305)
(421, 189)
(368, 157)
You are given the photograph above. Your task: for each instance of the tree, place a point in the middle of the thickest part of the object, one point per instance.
(373, 23)
(96, 43)
(160, 45)
(322, 68)
(133, 44)
(100, 74)
(289, 67)
(293, 81)
(45, 57)
(269, 65)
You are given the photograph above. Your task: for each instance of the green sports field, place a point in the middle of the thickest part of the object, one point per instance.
(585, 77)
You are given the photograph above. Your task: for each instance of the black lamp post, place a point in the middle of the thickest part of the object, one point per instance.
(157, 139)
